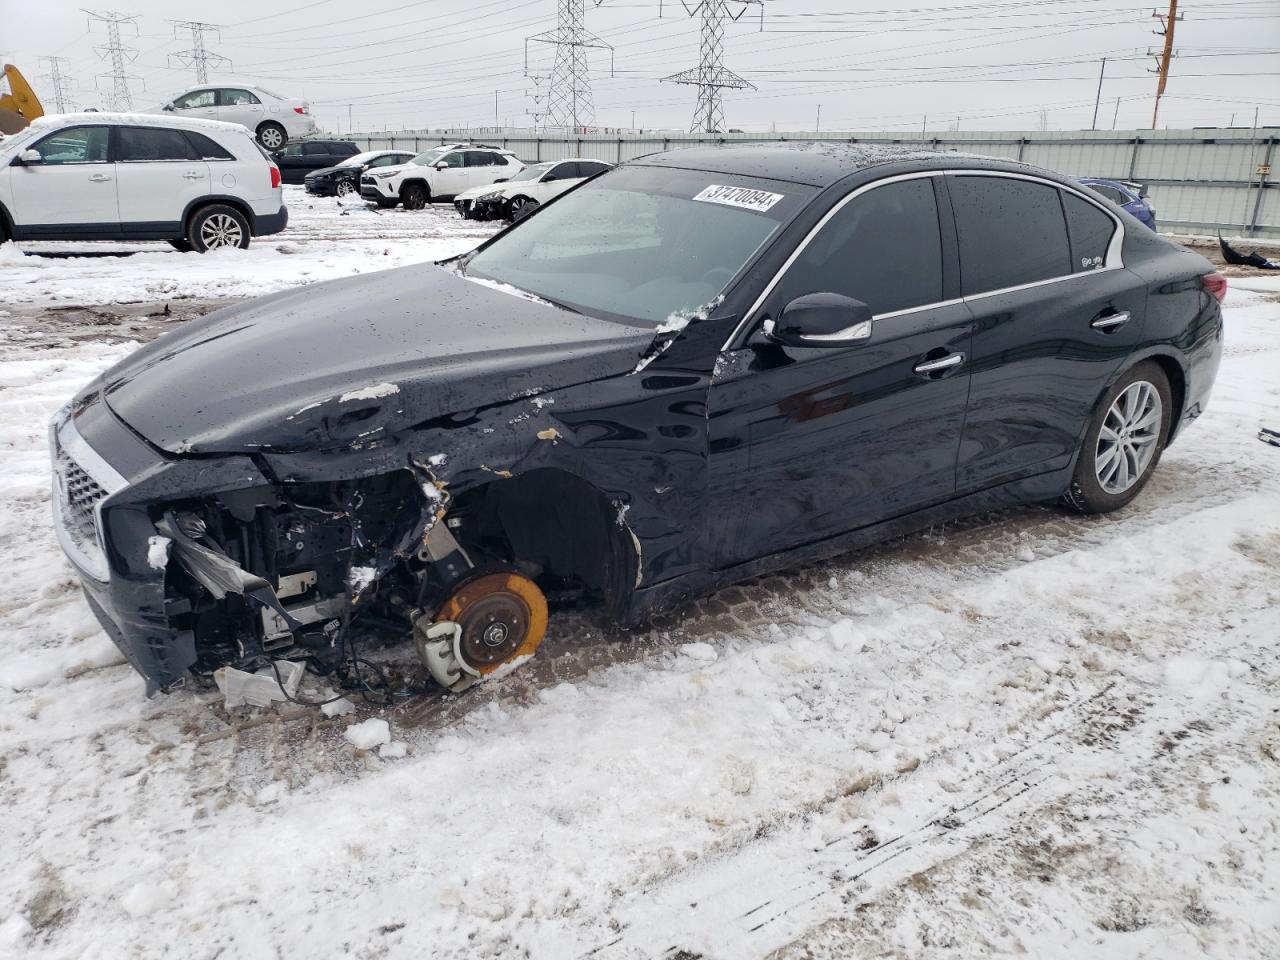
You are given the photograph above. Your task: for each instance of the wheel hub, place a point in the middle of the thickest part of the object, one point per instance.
(493, 620)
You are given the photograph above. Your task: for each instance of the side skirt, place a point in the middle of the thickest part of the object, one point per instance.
(649, 601)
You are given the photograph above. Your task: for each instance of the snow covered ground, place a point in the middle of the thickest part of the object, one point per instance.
(1030, 733)
(326, 238)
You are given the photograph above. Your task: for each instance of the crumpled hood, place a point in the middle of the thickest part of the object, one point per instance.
(353, 361)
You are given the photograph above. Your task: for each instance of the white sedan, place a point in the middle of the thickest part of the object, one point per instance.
(523, 193)
(273, 119)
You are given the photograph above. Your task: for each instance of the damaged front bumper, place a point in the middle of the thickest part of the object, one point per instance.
(193, 563)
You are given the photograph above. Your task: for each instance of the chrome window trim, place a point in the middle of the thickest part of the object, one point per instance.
(1114, 257)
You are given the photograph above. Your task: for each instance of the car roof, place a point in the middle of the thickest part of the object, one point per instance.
(812, 163)
(54, 121)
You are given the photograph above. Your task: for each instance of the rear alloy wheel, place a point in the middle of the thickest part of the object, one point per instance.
(272, 136)
(488, 623)
(414, 196)
(344, 188)
(218, 227)
(1124, 441)
(521, 207)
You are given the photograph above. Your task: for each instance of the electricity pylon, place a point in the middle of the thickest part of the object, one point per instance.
(57, 80)
(198, 56)
(569, 102)
(120, 96)
(711, 76)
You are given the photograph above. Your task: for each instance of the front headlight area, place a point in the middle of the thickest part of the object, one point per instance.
(278, 571)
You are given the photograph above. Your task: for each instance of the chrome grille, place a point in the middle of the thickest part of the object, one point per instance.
(81, 496)
(82, 481)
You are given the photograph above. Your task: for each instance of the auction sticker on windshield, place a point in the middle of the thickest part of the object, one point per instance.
(748, 199)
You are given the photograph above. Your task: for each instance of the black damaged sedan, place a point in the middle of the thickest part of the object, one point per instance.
(698, 367)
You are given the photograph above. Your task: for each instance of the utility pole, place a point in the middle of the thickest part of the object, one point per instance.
(120, 96)
(817, 124)
(349, 126)
(198, 56)
(496, 124)
(711, 76)
(1115, 116)
(569, 100)
(56, 80)
(1098, 99)
(1167, 54)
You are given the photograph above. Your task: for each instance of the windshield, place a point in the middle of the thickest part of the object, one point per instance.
(431, 156)
(531, 173)
(361, 158)
(641, 244)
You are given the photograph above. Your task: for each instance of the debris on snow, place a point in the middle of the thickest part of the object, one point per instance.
(259, 689)
(371, 733)
(338, 708)
(394, 750)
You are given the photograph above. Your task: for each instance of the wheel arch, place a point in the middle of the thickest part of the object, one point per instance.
(420, 181)
(195, 206)
(561, 522)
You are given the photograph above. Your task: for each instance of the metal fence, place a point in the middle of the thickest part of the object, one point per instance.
(1203, 180)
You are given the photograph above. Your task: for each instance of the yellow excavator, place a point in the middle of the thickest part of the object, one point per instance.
(19, 104)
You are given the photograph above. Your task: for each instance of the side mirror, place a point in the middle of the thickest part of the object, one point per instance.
(502, 180)
(168, 107)
(441, 165)
(822, 320)
(30, 156)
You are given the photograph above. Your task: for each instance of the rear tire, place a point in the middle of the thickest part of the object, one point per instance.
(218, 227)
(414, 196)
(272, 136)
(1124, 441)
(344, 188)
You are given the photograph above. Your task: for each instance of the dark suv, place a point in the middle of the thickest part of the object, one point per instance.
(693, 369)
(298, 159)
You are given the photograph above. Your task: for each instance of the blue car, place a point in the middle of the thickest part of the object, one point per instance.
(1131, 196)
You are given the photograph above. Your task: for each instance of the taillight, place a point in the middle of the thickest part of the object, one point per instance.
(302, 109)
(1216, 284)
(275, 176)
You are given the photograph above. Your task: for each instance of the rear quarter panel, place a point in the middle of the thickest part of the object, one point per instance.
(1183, 322)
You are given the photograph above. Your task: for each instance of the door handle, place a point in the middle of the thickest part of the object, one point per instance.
(939, 365)
(191, 175)
(1110, 321)
(99, 178)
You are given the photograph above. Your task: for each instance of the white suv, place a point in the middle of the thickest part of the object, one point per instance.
(199, 184)
(439, 174)
(274, 120)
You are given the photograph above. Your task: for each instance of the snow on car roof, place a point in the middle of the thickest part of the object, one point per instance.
(54, 121)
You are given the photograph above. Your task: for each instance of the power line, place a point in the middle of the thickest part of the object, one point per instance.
(711, 76)
(120, 96)
(198, 56)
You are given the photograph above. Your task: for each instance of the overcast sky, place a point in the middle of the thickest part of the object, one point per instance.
(869, 64)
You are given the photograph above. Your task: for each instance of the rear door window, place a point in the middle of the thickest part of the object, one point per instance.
(235, 97)
(1011, 232)
(883, 248)
(480, 158)
(142, 144)
(589, 168)
(207, 149)
(1090, 230)
(316, 150)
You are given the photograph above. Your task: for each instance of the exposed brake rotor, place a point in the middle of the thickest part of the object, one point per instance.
(486, 623)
